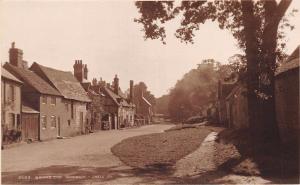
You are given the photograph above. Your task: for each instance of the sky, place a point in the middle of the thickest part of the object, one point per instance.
(104, 36)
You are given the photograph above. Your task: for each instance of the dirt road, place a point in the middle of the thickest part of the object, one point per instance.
(68, 157)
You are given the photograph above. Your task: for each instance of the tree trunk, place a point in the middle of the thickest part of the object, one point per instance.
(252, 53)
(273, 15)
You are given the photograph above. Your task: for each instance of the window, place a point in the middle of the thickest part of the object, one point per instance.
(11, 121)
(53, 121)
(69, 122)
(67, 106)
(11, 93)
(53, 101)
(44, 122)
(44, 99)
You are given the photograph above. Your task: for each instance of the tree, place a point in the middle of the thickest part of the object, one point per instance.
(140, 90)
(256, 25)
(195, 91)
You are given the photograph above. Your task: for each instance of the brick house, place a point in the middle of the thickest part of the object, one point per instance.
(41, 101)
(96, 106)
(73, 105)
(120, 107)
(143, 108)
(287, 98)
(11, 107)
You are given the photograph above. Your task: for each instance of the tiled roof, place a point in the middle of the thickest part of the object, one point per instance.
(291, 63)
(32, 79)
(29, 109)
(64, 82)
(9, 76)
(119, 100)
(145, 100)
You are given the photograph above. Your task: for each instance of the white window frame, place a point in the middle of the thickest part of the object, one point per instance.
(53, 98)
(51, 119)
(44, 98)
(44, 118)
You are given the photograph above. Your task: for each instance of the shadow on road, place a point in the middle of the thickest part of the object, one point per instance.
(60, 174)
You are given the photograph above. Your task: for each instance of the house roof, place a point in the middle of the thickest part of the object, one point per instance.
(291, 63)
(65, 83)
(237, 86)
(119, 100)
(146, 101)
(32, 79)
(9, 76)
(226, 88)
(29, 109)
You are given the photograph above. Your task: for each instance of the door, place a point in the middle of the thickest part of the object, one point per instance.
(30, 126)
(58, 126)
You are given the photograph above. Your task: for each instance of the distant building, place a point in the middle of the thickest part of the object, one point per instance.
(287, 98)
(10, 107)
(41, 102)
(144, 109)
(96, 106)
(224, 89)
(120, 107)
(73, 105)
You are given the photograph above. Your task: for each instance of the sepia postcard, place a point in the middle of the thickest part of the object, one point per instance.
(150, 92)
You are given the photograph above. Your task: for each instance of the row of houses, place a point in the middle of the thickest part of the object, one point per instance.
(233, 106)
(41, 103)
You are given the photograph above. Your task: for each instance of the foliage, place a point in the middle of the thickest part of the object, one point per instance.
(258, 27)
(195, 90)
(162, 104)
(140, 90)
(228, 14)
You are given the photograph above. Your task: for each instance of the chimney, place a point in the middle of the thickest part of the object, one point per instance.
(78, 70)
(131, 91)
(85, 76)
(116, 85)
(25, 64)
(15, 56)
(94, 82)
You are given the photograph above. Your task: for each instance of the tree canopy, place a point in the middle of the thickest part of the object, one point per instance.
(258, 27)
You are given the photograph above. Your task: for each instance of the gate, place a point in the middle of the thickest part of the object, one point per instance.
(30, 126)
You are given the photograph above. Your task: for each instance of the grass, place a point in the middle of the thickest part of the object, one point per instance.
(159, 149)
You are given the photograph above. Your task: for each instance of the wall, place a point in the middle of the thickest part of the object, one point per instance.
(10, 107)
(126, 116)
(237, 107)
(287, 104)
(10, 112)
(79, 108)
(113, 110)
(96, 110)
(49, 110)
